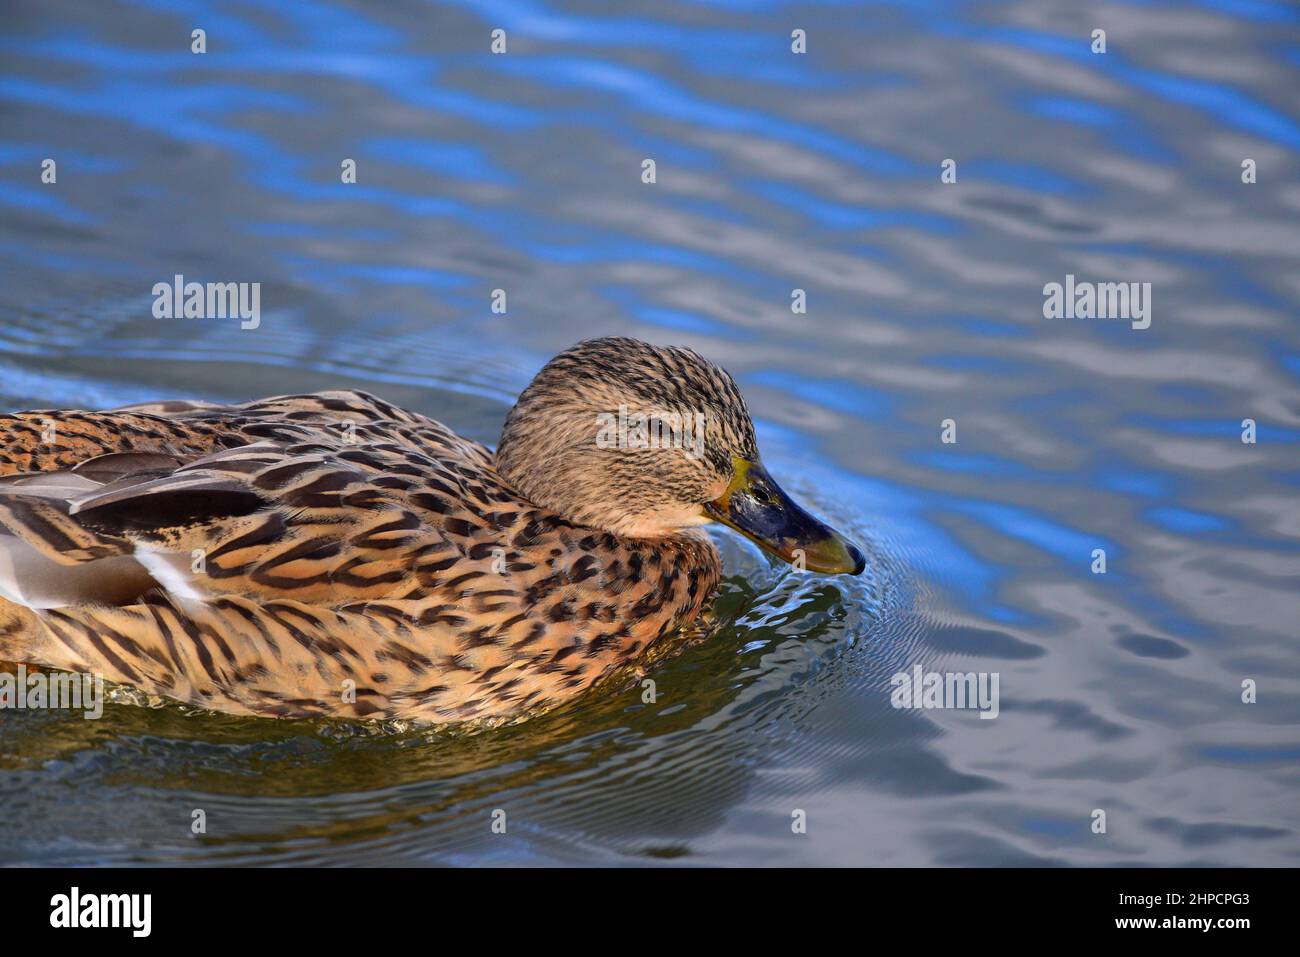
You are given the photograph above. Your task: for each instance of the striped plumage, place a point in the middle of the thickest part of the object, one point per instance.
(328, 554)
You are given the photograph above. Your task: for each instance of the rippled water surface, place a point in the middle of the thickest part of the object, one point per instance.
(775, 171)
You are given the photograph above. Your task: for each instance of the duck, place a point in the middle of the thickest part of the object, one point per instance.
(332, 555)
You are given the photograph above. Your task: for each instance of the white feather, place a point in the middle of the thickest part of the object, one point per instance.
(172, 570)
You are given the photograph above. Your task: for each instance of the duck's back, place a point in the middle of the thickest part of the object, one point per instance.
(319, 554)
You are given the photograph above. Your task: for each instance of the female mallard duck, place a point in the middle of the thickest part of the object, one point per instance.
(332, 554)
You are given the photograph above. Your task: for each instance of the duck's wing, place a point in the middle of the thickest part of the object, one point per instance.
(263, 578)
(253, 557)
(326, 497)
(307, 522)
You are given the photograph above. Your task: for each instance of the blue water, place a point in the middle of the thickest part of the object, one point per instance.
(775, 171)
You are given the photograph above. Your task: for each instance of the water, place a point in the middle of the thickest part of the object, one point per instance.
(522, 172)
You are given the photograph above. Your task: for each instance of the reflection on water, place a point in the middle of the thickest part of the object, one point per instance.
(775, 172)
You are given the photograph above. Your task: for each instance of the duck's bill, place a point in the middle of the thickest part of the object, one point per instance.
(756, 506)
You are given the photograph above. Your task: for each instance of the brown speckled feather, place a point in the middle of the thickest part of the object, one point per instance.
(326, 554)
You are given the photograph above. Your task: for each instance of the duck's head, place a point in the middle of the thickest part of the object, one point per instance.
(643, 441)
